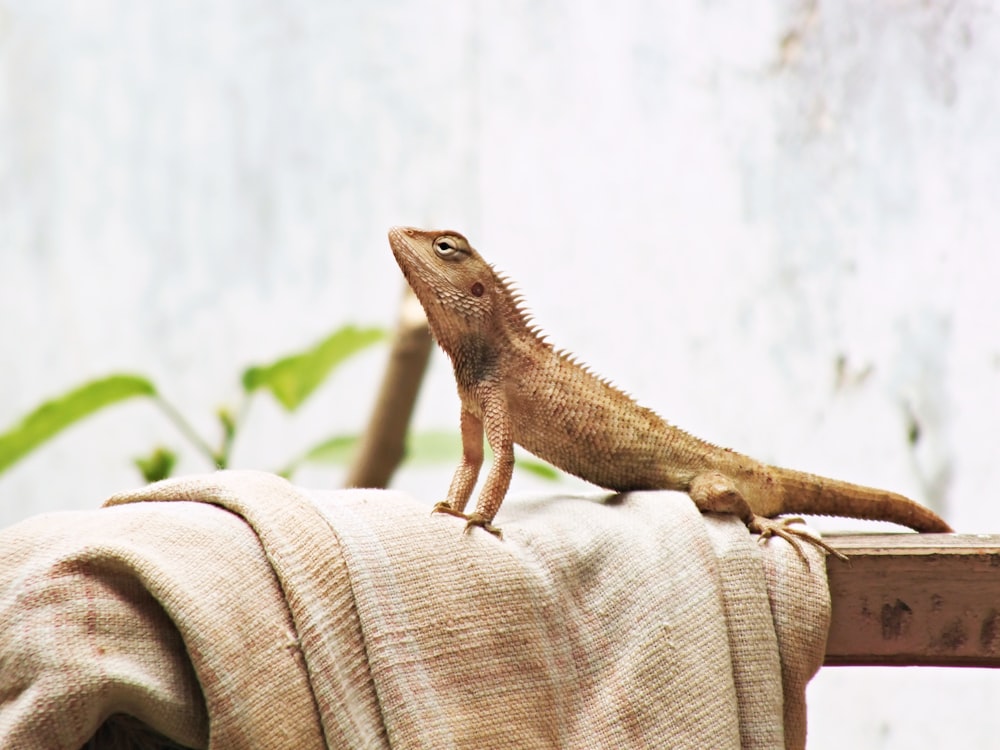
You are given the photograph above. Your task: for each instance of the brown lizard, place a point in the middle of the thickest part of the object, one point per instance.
(517, 388)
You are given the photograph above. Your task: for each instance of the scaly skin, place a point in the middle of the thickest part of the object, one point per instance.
(516, 388)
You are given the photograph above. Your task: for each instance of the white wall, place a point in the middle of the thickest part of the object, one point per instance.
(775, 225)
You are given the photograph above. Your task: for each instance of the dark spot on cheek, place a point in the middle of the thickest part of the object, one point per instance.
(477, 290)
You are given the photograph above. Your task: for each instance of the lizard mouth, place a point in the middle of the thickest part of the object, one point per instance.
(409, 261)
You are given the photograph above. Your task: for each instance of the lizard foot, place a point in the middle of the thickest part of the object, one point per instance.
(482, 522)
(781, 527)
(471, 521)
(444, 507)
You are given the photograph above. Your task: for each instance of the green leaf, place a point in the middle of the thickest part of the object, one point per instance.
(434, 447)
(56, 415)
(292, 379)
(337, 450)
(421, 448)
(159, 465)
(538, 468)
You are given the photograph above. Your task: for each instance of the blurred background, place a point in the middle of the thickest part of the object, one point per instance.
(775, 223)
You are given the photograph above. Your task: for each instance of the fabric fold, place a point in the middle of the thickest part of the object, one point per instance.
(238, 610)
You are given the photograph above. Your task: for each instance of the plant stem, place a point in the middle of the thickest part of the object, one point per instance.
(187, 430)
(229, 436)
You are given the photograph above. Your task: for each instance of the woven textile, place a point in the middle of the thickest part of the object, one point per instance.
(245, 612)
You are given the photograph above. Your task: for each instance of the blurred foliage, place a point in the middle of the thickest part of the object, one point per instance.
(291, 380)
(56, 415)
(158, 465)
(422, 448)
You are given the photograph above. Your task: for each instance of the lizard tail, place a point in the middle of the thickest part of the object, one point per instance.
(822, 496)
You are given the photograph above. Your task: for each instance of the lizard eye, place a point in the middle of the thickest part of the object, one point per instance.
(445, 247)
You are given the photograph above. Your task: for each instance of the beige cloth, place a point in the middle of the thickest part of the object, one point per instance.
(249, 613)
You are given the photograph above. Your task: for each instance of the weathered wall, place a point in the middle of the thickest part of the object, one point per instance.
(777, 226)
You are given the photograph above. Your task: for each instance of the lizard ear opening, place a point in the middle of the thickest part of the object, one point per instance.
(477, 289)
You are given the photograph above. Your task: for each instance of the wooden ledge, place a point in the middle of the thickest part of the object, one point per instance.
(915, 599)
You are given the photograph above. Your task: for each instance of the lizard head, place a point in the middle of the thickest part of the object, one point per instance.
(457, 288)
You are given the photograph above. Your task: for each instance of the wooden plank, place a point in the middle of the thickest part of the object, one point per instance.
(915, 599)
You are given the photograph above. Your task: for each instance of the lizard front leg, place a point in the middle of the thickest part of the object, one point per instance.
(500, 435)
(714, 492)
(464, 479)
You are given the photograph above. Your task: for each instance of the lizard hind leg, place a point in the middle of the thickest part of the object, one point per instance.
(714, 492)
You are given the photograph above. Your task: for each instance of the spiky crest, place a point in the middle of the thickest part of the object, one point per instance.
(517, 314)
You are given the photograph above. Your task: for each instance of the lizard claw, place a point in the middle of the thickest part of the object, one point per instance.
(445, 507)
(477, 519)
(471, 521)
(781, 527)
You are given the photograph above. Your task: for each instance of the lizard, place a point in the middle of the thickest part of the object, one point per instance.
(516, 387)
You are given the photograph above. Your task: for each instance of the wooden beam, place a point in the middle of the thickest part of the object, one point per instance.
(915, 599)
